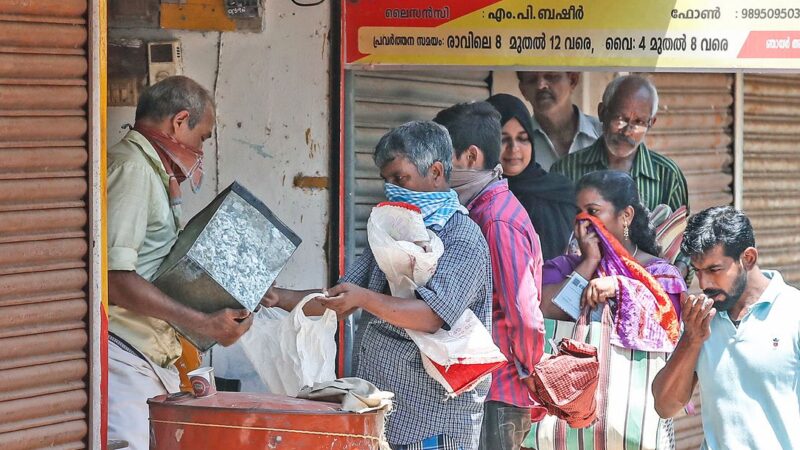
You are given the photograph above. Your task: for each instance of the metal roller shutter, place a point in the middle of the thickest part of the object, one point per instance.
(43, 224)
(689, 429)
(377, 102)
(771, 195)
(694, 130)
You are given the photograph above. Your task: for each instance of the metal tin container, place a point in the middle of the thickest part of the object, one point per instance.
(228, 255)
(250, 421)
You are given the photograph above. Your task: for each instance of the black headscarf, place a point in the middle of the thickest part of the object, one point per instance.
(549, 198)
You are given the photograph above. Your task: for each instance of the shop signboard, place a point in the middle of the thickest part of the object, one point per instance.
(682, 35)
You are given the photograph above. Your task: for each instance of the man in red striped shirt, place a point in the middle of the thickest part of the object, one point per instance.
(517, 322)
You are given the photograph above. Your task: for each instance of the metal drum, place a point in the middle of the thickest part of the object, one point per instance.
(250, 421)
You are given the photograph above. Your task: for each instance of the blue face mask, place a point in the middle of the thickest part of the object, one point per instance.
(437, 207)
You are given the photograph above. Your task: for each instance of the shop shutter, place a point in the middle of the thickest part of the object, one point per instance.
(43, 224)
(378, 101)
(771, 194)
(694, 130)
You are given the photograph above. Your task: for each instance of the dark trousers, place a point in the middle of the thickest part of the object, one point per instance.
(504, 426)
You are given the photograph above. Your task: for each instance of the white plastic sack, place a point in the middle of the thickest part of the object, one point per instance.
(292, 350)
(408, 254)
(404, 249)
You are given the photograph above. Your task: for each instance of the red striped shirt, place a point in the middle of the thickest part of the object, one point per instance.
(517, 322)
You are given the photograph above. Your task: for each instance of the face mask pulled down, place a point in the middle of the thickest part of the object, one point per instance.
(469, 183)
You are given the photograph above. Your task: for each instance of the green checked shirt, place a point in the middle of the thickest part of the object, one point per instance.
(657, 177)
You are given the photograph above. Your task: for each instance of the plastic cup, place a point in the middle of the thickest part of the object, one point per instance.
(202, 381)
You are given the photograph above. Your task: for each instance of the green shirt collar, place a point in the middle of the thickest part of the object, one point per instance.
(642, 163)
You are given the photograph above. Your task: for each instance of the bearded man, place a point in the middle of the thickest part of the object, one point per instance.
(741, 341)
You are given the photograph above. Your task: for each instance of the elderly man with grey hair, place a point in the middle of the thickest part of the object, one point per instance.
(415, 161)
(145, 169)
(627, 112)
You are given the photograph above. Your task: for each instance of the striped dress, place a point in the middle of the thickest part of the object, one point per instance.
(625, 396)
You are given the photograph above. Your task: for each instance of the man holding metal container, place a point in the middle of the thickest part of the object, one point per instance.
(145, 170)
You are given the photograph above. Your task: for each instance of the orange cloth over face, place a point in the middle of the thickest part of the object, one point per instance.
(665, 314)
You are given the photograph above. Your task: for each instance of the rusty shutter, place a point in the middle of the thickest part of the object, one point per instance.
(694, 130)
(43, 224)
(771, 194)
(376, 102)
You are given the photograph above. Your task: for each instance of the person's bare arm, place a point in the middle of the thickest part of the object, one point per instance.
(409, 313)
(674, 384)
(549, 309)
(287, 299)
(132, 292)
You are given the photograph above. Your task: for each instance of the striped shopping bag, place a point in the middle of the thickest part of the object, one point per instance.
(626, 417)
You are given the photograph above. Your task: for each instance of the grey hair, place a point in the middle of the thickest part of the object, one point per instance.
(639, 81)
(171, 96)
(422, 142)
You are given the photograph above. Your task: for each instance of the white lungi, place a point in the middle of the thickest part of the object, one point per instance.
(131, 381)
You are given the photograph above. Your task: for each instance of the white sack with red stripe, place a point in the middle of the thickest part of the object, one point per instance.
(408, 253)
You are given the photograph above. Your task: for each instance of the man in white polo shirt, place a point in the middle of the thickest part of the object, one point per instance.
(741, 341)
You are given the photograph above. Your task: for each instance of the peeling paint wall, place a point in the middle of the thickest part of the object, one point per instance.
(272, 95)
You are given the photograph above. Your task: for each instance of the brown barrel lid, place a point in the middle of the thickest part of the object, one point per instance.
(246, 401)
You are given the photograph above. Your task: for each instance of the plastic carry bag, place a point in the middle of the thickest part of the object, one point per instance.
(408, 254)
(461, 357)
(292, 350)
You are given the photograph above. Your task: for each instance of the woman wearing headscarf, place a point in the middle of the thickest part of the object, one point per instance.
(549, 198)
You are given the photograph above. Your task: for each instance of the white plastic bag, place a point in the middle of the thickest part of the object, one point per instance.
(408, 254)
(404, 249)
(461, 357)
(291, 350)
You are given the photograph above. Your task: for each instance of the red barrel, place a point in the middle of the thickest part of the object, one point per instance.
(250, 421)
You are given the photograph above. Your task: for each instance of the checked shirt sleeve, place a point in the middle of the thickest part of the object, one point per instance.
(459, 279)
(359, 272)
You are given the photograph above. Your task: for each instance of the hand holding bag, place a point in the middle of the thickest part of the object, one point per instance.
(408, 254)
(626, 417)
(566, 383)
(292, 350)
